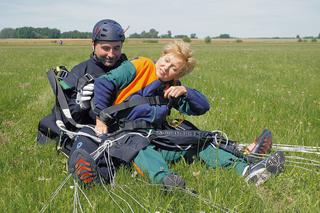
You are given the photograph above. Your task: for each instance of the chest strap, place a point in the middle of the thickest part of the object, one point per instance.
(106, 114)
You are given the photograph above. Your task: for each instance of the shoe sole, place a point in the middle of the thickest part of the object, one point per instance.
(77, 156)
(274, 166)
(275, 163)
(258, 177)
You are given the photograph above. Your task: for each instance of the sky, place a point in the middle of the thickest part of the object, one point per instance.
(239, 18)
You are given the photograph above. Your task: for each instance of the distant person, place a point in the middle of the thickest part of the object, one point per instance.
(143, 78)
(107, 40)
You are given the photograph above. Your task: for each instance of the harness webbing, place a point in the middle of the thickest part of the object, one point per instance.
(61, 100)
(183, 140)
(135, 125)
(105, 114)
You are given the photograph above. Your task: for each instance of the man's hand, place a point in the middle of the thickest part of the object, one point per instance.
(175, 92)
(84, 96)
(101, 128)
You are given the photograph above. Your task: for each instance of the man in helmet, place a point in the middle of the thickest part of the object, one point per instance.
(107, 40)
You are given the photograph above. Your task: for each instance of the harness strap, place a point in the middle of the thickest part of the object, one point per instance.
(183, 140)
(61, 99)
(105, 114)
(136, 124)
(84, 80)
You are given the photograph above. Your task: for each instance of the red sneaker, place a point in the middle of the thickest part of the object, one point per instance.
(261, 145)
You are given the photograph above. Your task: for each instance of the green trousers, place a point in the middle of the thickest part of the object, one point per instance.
(154, 162)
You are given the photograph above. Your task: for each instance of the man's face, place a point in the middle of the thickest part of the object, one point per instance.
(108, 52)
(168, 67)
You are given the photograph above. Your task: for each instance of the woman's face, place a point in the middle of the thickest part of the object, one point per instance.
(168, 67)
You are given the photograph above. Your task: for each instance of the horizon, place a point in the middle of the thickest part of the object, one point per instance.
(213, 37)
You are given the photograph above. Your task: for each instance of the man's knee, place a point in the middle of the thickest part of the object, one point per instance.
(47, 129)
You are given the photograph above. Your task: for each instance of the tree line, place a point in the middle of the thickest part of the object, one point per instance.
(155, 34)
(45, 32)
(41, 32)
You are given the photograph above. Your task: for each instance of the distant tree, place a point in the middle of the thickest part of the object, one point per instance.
(151, 34)
(134, 35)
(29, 32)
(314, 40)
(224, 36)
(55, 33)
(164, 36)
(168, 35)
(41, 32)
(144, 34)
(193, 35)
(46, 33)
(180, 36)
(75, 34)
(8, 33)
(24, 32)
(298, 36)
(319, 36)
(186, 39)
(207, 40)
(35, 34)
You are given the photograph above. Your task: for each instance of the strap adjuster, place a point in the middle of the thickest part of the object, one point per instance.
(61, 72)
(155, 100)
(88, 77)
(84, 80)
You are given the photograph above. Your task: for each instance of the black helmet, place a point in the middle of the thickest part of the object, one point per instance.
(107, 30)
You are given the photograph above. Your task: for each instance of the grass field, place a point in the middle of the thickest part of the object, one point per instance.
(250, 86)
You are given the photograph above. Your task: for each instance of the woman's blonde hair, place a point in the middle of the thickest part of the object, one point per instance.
(183, 51)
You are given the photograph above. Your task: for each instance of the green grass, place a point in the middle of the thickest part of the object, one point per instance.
(250, 86)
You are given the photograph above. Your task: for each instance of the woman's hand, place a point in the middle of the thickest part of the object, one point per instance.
(175, 91)
(101, 128)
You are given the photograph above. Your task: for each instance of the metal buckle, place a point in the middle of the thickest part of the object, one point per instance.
(62, 74)
(88, 77)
